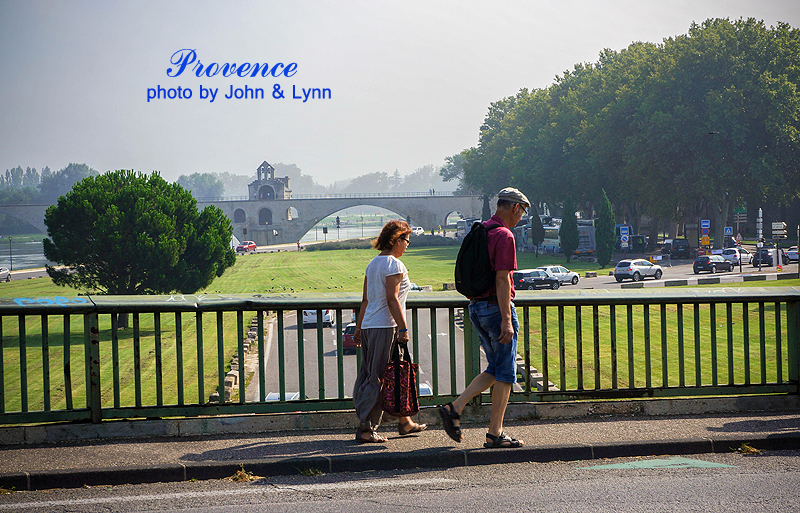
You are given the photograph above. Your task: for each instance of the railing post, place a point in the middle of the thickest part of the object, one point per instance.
(93, 372)
(793, 341)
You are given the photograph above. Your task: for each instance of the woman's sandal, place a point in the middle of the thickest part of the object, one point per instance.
(374, 438)
(448, 413)
(415, 428)
(502, 442)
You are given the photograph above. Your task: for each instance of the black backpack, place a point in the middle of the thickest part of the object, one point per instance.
(474, 273)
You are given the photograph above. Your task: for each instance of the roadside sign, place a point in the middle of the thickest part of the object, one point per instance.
(624, 245)
(624, 239)
(704, 231)
(705, 223)
(729, 230)
(778, 226)
(705, 241)
(623, 230)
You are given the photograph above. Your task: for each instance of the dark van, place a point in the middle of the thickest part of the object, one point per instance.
(680, 249)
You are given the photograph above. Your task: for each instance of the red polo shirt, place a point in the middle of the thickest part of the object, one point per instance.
(502, 251)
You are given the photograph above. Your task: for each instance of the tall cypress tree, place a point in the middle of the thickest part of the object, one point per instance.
(604, 232)
(568, 233)
(537, 230)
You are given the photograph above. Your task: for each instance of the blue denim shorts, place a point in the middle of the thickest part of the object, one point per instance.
(501, 358)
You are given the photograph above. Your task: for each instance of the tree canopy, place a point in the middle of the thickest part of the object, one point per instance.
(203, 185)
(129, 233)
(697, 124)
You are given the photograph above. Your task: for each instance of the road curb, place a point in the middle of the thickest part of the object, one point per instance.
(438, 457)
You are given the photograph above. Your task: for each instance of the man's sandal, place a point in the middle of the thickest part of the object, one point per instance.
(448, 413)
(502, 442)
(374, 438)
(414, 428)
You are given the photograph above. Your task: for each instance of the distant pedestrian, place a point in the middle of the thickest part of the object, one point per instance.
(382, 323)
(495, 319)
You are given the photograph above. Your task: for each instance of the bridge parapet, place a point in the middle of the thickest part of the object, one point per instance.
(282, 221)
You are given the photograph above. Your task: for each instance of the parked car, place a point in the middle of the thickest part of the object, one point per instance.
(736, 255)
(731, 242)
(680, 249)
(637, 270)
(712, 264)
(276, 396)
(349, 344)
(791, 254)
(532, 279)
(563, 274)
(246, 246)
(310, 318)
(763, 258)
(417, 230)
(5, 274)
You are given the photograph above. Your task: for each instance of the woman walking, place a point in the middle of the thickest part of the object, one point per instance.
(381, 322)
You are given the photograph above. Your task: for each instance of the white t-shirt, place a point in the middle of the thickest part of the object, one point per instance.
(378, 314)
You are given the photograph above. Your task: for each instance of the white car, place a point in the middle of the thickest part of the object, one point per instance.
(310, 318)
(417, 230)
(791, 253)
(563, 274)
(637, 270)
(5, 274)
(737, 254)
(276, 396)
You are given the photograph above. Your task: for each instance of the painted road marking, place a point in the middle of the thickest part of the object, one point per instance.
(674, 462)
(255, 489)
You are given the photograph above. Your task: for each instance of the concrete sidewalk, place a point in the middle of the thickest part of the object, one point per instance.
(604, 431)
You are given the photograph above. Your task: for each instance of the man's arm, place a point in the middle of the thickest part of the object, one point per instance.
(502, 283)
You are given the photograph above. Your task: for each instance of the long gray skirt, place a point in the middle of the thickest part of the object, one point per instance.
(376, 350)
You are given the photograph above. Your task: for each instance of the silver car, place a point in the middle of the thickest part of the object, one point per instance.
(5, 274)
(637, 270)
(563, 274)
(736, 255)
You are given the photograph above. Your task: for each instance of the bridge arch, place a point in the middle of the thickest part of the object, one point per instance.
(239, 216)
(264, 216)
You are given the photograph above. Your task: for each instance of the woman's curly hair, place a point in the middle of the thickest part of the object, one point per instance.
(391, 231)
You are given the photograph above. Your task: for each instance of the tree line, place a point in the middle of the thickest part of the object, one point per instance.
(694, 126)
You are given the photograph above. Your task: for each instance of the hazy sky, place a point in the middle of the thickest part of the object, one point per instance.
(410, 81)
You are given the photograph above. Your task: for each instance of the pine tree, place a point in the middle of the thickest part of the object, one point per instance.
(568, 233)
(604, 232)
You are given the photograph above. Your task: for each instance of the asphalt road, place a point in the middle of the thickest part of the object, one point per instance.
(712, 483)
(428, 353)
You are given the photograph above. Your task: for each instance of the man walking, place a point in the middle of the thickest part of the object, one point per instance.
(494, 317)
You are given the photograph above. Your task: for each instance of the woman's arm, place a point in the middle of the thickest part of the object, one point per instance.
(393, 301)
(357, 334)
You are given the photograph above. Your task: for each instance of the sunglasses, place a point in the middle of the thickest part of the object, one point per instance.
(408, 242)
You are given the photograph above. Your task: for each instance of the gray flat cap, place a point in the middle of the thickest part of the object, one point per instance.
(513, 195)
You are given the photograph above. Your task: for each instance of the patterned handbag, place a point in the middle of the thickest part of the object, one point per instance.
(399, 391)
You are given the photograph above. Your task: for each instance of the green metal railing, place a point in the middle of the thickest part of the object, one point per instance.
(185, 355)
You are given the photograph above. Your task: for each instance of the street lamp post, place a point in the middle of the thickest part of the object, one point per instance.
(10, 255)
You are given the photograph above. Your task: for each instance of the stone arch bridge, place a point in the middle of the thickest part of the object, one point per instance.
(281, 221)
